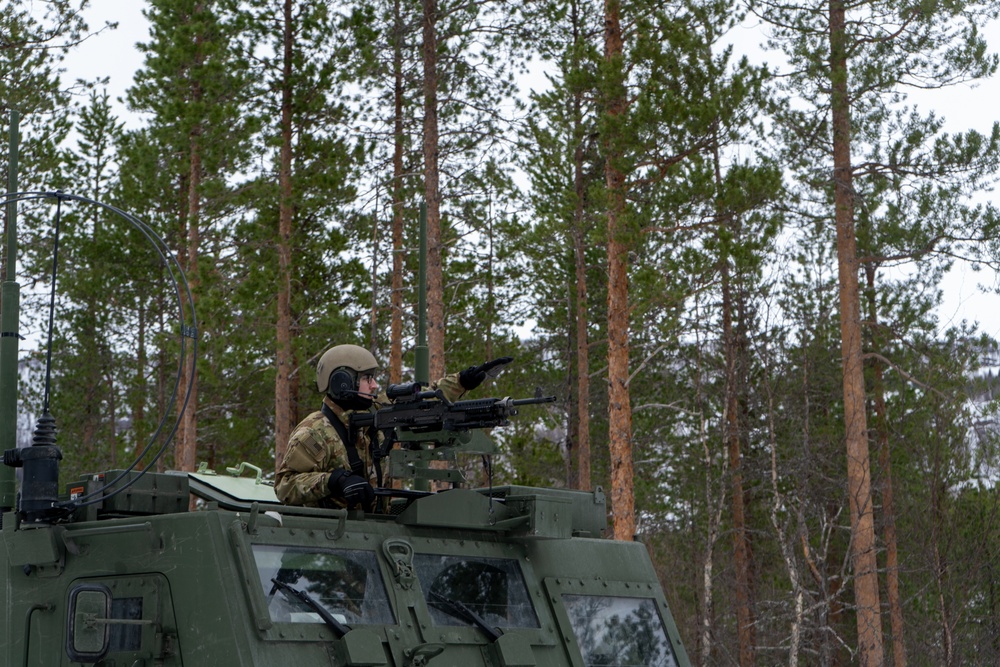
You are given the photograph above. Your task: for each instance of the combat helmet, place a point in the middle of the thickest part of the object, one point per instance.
(339, 368)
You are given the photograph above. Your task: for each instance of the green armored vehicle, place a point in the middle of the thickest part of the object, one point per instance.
(453, 579)
(122, 569)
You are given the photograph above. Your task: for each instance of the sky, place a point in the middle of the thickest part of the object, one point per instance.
(113, 54)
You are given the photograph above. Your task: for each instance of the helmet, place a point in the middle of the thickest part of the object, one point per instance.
(343, 363)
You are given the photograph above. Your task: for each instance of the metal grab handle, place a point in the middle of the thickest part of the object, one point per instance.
(236, 472)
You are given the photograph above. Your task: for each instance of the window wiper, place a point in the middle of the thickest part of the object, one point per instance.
(339, 629)
(462, 612)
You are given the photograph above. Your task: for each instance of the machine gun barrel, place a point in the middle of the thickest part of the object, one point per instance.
(533, 401)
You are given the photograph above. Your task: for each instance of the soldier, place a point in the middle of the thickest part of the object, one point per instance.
(325, 465)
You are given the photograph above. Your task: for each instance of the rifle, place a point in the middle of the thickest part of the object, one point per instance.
(418, 416)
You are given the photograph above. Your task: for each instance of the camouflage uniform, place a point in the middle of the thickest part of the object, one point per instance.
(315, 450)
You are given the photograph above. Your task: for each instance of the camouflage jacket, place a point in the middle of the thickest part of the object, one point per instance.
(315, 450)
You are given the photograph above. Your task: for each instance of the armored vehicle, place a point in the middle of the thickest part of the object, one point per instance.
(121, 568)
(244, 580)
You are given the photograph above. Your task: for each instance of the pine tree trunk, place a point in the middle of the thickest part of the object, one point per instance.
(939, 494)
(184, 371)
(283, 335)
(138, 407)
(745, 620)
(432, 194)
(707, 587)
(787, 546)
(161, 376)
(863, 548)
(112, 414)
(707, 620)
(186, 451)
(891, 543)
(713, 512)
(570, 458)
(619, 406)
(373, 262)
(583, 480)
(888, 502)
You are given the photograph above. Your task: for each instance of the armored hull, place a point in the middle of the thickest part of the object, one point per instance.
(512, 576)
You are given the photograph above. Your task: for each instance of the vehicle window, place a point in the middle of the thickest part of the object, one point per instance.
(126, 637)
(492, 588)
(345, 582)
(619, 631)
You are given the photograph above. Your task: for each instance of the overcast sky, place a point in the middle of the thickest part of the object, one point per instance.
(113, 54)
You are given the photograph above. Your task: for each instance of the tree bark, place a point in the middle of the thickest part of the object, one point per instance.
(888, 501)
(863, 548)
(742, 555)
(939, 494)
(432, 194)
(283, 416)
(713, 512)
(786, 545)
(619, 406)
(185, 454)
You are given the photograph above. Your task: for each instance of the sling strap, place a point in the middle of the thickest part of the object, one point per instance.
(357, 465)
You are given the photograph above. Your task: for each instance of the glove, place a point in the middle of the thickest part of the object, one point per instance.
(473, 376)
(351, 488)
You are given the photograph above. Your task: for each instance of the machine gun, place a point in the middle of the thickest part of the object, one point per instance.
(419, 418)
(417, 411)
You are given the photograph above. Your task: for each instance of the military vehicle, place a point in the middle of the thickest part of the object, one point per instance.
(119, 570)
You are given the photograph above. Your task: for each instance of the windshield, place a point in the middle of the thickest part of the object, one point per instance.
(345, 582)
(492, 588)
(619, 631)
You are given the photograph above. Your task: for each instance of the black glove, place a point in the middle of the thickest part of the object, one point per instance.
(351, 488)
(473, 376)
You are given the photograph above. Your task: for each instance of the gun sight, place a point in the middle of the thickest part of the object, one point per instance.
(405, 390)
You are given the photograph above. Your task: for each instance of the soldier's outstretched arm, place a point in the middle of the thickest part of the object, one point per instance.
(473, 376)
(454, 385)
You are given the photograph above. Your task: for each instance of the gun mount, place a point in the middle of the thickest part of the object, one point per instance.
(429, 427)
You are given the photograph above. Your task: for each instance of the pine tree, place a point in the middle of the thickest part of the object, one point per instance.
(874, 51)
(465, 84)
(34, 45)
(33, 48)
(384, 42)
(91, 389)
(561, 159)
(190, 85)
(34, 41)
(301, 191)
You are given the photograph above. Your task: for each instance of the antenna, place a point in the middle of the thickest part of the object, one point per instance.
(10, 303)
(40, 488)
(39, 500)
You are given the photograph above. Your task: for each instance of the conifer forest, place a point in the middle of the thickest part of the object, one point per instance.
(729, 273)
